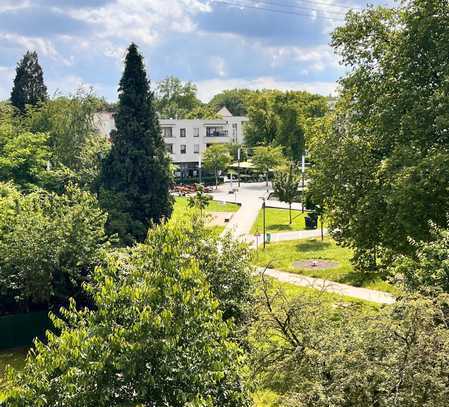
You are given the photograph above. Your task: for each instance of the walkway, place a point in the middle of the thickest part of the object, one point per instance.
(249, 197)
(366, 294)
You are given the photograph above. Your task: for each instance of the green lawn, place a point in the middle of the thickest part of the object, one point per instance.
(282, 255)
(14, 358)
(214, 206)
(277, 220)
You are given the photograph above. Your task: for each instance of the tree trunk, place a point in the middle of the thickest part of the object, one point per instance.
(216, 179)
(290, 212)
(266, 179)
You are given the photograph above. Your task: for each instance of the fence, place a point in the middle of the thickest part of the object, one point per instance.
(19, 330)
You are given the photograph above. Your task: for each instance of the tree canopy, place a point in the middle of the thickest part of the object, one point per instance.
(175, 99)
(136, 174)
(156, 335)
(29, 87)
(381, 161)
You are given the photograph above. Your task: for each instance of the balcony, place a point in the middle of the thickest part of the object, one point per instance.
(216, 132)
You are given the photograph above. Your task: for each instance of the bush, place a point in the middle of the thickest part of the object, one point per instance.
(155, 337)
(49, 245)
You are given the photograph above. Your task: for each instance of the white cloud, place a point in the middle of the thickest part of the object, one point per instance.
(6, 79)
(142, 21)
(42, 45)
(208, 88)
(11, 5)
(312, 59)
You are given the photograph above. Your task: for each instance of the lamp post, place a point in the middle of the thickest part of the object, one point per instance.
(303, 169)
(199, 165)
(264, 222)
(238, 165)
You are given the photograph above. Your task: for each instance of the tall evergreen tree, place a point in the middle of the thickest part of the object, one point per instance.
(29, 87)
(135, 180)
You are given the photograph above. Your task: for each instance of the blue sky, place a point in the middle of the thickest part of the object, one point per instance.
(216, 44)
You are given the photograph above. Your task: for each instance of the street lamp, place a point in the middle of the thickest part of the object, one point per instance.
(264, 222)
(303, 169)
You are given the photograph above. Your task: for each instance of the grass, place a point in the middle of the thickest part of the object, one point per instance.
(181, 204)
(14, 358)
(282, 255)
(277, 220)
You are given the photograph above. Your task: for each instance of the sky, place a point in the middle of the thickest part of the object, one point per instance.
(217, 44)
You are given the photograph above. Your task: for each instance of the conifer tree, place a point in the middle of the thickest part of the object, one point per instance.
(135, 180)
(29, 87)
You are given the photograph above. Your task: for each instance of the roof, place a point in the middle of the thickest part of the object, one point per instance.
(224, 112)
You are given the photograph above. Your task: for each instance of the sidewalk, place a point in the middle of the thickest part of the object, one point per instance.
(365, 294)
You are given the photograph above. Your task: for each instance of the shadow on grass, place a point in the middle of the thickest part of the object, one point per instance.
(312, 245)
(281, 226)
(359, 279)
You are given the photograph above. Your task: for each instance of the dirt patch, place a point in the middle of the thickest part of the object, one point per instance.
(219, 218)
(315, 264)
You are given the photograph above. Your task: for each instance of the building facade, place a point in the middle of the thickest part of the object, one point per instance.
(187, 139)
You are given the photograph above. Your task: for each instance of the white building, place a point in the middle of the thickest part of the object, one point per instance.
(186, 139)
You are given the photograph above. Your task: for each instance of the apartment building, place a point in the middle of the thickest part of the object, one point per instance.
(186, 139)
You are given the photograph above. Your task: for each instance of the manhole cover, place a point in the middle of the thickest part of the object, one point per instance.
(315, 264)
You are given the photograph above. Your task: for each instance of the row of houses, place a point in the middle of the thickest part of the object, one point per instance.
(187, 139)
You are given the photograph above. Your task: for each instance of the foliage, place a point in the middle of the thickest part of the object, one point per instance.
(234, 151)
(200, 200)
(428, 269)
(202, 112)
(155, 337)
(24, 156)
(263, 122)
(381, 163)
(29, 87)
(49, 245)
(281, 118)
(136, 174)
(317, 356)
(216, 158)
(235, 100)
(175, 99)
(267, 158)
(285, 186)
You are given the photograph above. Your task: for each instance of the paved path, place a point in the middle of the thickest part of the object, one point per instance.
(366, 294)
(249, 197)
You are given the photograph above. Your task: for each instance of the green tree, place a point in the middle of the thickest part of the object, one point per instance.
(175, 99)
(216, 158)
(393, 357)
(70, 124)
(285, 186)
(428, 270)
(49, 246)
(29, 87)
(263, 122)
(24, 156)
(200, 200)
(136, 175)
(202, 112)
(266, 159)
(235, 100)
(381, 160)
(154, 337)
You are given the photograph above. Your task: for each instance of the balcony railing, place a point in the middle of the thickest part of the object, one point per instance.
(216, 133)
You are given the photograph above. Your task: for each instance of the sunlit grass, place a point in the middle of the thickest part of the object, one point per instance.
(282, 255)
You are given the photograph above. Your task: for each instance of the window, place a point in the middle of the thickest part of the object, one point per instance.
(169, 148)
(167, 132)
(196, 132)
(183, 149)
(196, 148)
(182, 132)
(216, 132)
